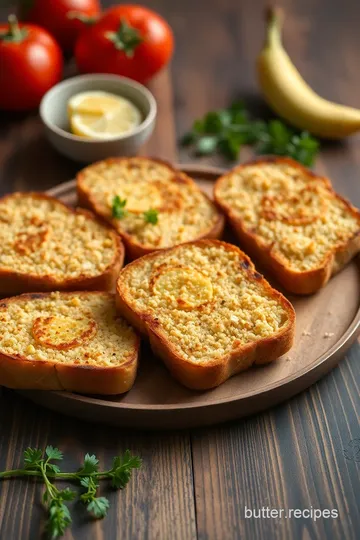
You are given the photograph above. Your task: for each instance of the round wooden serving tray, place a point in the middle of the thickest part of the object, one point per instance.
(327, 324)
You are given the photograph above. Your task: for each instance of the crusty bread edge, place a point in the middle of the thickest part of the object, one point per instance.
(302, 283)
(134, 249)
(22, 373)
(12, 282)
(216, 371)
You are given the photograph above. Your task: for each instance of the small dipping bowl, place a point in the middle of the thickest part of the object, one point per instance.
(54, 115)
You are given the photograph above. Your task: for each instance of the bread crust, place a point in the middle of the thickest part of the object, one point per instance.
(305, 282)
(213, 372)
(12, 282)
(135, 249)
(21, 373)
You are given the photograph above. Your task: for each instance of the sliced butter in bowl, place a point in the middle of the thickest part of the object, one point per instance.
(102, 115)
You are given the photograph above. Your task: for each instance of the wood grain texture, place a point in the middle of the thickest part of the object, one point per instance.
(158, 502)
(292, 456)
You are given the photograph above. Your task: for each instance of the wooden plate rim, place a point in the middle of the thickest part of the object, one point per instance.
(211, 173)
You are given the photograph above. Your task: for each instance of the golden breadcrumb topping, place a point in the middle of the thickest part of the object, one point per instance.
(40, 236)
(298, 215)
(67, 328)
(206, 300)
(183, 211)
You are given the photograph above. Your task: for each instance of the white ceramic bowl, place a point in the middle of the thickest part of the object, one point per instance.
(53, 113)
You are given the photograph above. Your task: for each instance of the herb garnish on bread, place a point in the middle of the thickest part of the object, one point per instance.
(152, 205)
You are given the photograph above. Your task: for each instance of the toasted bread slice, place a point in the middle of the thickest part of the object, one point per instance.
(66, 341)
(45, 245)
(183, 211)
(207, 312)
(291, 220)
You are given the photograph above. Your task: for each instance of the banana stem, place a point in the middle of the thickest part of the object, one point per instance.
(274, 20)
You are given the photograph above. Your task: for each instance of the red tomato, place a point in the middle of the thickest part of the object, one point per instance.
(128, 40)
(31, 63)
(63, 18)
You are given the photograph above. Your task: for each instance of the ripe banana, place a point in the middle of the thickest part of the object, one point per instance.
(291, 97)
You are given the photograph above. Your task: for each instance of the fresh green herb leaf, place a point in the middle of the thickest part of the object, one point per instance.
(67, 494)
(58, 513)
(91, 464)
(118, 206)
(229, 147)
(238, 134)
(279, 134)
(305, 148)
(87, 476)
(91, 486)
(199, 127)
(59, 519)
(98, 507)
(188, 138)
(213, 122)
(84, 482)
(257, 132)
(237, 106)
(151, 216)
(32, 457)
(225, 117)
(206, 145)
(53, 453)
(227, 130)
(122, 468)
(53, 468)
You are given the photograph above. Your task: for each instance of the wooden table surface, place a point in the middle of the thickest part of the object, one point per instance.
(196, 484)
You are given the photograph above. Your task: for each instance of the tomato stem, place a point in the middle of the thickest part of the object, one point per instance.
(14, 34)
(126, 38)
(14, 28)
(86, 19)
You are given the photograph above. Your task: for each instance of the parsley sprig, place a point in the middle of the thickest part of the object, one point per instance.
(227, 130)
(118, 207)
(40, 465)
(151, 216)
(118, 211)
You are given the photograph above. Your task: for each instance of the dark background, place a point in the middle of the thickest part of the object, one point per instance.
(195, 484)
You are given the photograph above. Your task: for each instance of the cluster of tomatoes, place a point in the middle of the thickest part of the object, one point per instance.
(128, 40)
